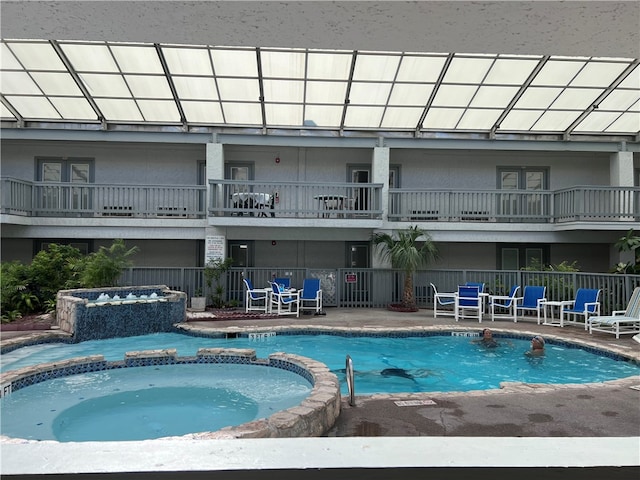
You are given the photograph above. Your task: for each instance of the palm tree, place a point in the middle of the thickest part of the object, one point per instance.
(406, 252)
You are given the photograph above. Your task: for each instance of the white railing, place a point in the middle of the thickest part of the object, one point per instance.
(60, 199)
(320, 200)
(295, 199)
(597, 204)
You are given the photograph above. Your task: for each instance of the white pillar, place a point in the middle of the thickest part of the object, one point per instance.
(380, 174)
(621, 169)
(621, 175)
(214, 169)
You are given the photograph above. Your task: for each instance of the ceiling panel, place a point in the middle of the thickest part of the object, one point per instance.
(122, 83)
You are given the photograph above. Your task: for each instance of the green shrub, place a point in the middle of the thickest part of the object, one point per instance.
(104, 267)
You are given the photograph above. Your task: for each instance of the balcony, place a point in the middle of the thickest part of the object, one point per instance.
(296, 200)
(319, 202)
(577, 204)
(50, 199)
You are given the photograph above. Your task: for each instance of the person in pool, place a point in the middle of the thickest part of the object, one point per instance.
(537, 347)
(487, 339)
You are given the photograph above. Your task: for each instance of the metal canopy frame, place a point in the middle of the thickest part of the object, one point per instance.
(197, 88)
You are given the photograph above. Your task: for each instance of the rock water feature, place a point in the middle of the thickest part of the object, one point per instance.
(91, 314)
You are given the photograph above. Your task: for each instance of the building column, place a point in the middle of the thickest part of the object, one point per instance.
(621, 175)
(380, 174)
(214, 170)
(621, 169)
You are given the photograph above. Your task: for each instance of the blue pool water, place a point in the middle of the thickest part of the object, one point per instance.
(382, 364)
(149, 402)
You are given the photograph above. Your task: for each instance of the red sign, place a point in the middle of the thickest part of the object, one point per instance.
(350, 278)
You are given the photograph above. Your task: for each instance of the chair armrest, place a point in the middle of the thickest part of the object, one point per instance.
(499, 297)
(618, 312)
(446, 295)
(595, 304)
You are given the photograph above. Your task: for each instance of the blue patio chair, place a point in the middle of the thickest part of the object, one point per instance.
(311, 295)
(284, 302)
(578, 311)
(531, 301)
(256, 299)
(446, 302)
(480, 286)
(504, 302)
(285, 282)
(468, 303)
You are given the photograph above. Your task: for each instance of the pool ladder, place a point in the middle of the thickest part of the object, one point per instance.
(350, 385)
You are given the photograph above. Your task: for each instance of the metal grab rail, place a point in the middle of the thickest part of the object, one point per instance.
(350, 385)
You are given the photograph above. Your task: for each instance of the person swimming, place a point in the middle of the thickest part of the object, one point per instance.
(537, 347)
(487, 339)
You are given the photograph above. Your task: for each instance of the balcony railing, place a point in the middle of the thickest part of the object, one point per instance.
(296, 199)
(596, 204)
(61, 199)
(319, 200)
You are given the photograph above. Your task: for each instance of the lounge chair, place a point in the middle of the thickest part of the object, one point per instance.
(504, 302)
(468, 303)
(311, 295)
(620, 322)
(447, 302)
(531, 301)
(256, 299)
(284, 302)
(585, 304)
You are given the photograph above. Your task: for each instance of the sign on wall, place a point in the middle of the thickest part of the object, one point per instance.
(214, 248)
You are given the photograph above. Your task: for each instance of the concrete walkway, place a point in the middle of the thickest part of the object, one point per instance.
(592, 431)
(609, 409)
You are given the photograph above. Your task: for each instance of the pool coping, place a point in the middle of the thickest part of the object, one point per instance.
(505, 387)
(314, 416)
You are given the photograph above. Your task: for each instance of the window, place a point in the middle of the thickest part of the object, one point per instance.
(524, 199)
(241, 252)
(85, 246)
(56, 173)
(516, 257)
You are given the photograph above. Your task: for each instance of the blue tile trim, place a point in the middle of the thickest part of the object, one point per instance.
(52, 373)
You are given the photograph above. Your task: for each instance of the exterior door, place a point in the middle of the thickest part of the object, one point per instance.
(62, 184)
(527, 200)
(360, 196)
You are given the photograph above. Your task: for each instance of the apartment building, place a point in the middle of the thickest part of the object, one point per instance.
(293, 156)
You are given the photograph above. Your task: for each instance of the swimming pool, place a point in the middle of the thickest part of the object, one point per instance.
(150, 402)
(383, 363)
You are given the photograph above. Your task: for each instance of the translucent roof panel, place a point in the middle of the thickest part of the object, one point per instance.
(80, 82)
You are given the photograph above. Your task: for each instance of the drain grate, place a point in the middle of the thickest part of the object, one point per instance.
(413, 403)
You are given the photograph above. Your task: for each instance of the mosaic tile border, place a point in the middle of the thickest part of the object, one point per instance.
(313, 417)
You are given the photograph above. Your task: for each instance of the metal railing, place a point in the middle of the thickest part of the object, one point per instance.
(320, 200)
(599, 204)
(377, 288)
(296, 199)
(61, 199)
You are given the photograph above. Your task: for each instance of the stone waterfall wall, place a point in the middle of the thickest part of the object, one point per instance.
(78, 313)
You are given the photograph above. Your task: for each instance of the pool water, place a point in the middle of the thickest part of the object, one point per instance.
(139, 403)
(382, 364)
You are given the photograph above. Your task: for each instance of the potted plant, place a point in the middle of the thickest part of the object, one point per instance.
(407, 250)
(198, 301)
